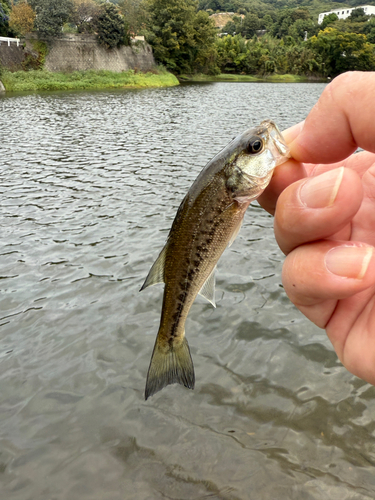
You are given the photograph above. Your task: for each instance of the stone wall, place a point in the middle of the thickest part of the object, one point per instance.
(11, 56)
(82, 52)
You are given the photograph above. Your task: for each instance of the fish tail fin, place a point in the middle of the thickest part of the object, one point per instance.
(170, 363)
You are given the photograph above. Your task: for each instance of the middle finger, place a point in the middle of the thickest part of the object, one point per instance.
(317, 207)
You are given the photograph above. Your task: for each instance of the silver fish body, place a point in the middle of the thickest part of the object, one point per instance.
(207, 221)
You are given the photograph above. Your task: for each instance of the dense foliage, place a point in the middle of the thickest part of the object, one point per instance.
(342, 51)
(266, 56)
(84, 14)
(261, 7)
(51, 16)
(111, 27)
(265, 42)
(183, 39)
(263, 37)
(5, 7)
(135, 13)
(21, 19)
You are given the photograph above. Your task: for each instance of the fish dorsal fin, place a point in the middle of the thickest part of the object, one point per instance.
(208, 289)
(235, 232)
(156, 274)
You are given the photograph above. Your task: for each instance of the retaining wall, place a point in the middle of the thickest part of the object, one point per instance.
(80, 52)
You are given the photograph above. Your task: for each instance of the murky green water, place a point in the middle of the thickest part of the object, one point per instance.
(89, 185)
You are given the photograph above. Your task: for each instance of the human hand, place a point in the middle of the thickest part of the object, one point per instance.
(324, 206)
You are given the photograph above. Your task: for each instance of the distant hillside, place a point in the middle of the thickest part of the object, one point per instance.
(261, 7)
(222, 18)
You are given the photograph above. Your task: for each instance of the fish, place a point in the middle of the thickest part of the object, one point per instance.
(206, 223)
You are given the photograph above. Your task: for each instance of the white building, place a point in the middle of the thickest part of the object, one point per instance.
(345, 12)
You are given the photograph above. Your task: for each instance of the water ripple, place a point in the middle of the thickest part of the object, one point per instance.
(89, 186)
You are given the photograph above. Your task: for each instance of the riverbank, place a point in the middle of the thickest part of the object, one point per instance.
(223, 77)
(85, 80)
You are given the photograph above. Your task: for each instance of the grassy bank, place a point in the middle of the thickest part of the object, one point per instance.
(85, 80)
(247, 78)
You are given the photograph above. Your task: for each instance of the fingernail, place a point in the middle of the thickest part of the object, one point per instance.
(321, 191)
(349, 261)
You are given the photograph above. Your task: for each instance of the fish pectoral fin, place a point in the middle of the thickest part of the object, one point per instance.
(208, 289)
(156, 274)
(235, 233)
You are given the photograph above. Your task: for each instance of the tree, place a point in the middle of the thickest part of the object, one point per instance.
(5, 7)
(21, 19)
(249, 25)
(230, 28)
(285, 19)
(135, 13)
(266, 22)
(205, 35)
(342, 52)
(84, 14)
(329, 19)
(182, 38)
(51, 16)
(232, 54)
(302, 28)
(368, 29)
(301, 60)
(111, 28)
(358, 15)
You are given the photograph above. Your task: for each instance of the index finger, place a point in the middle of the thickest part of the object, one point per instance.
(341, 121)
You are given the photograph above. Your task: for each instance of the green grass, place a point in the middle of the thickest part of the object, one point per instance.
(244, 78)
(85, 80)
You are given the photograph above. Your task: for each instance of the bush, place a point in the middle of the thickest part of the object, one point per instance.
(32, 62)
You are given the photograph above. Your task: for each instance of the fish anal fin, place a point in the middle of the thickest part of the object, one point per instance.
(156, 273)
(169, 365)
(208, 289)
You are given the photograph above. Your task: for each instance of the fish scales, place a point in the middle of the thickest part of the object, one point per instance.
(199, 250)
(207, 220)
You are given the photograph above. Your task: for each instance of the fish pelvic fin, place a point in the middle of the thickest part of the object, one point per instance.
(170, 364)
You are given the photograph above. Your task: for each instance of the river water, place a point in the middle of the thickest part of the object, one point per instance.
(90, 183)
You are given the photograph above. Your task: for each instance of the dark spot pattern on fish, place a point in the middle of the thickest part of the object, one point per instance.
(206, 220)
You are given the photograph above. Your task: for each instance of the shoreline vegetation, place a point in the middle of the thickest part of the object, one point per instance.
(196, 40)
(85, 80)
(229, 77)
(37, 80)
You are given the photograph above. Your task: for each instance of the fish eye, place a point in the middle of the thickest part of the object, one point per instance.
(255, 145)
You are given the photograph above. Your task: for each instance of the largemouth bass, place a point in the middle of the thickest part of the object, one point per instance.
(207, 221)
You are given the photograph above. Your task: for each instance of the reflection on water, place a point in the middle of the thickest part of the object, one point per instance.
(90, 183)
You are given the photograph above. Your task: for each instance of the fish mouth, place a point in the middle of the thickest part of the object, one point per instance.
(271, 129)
